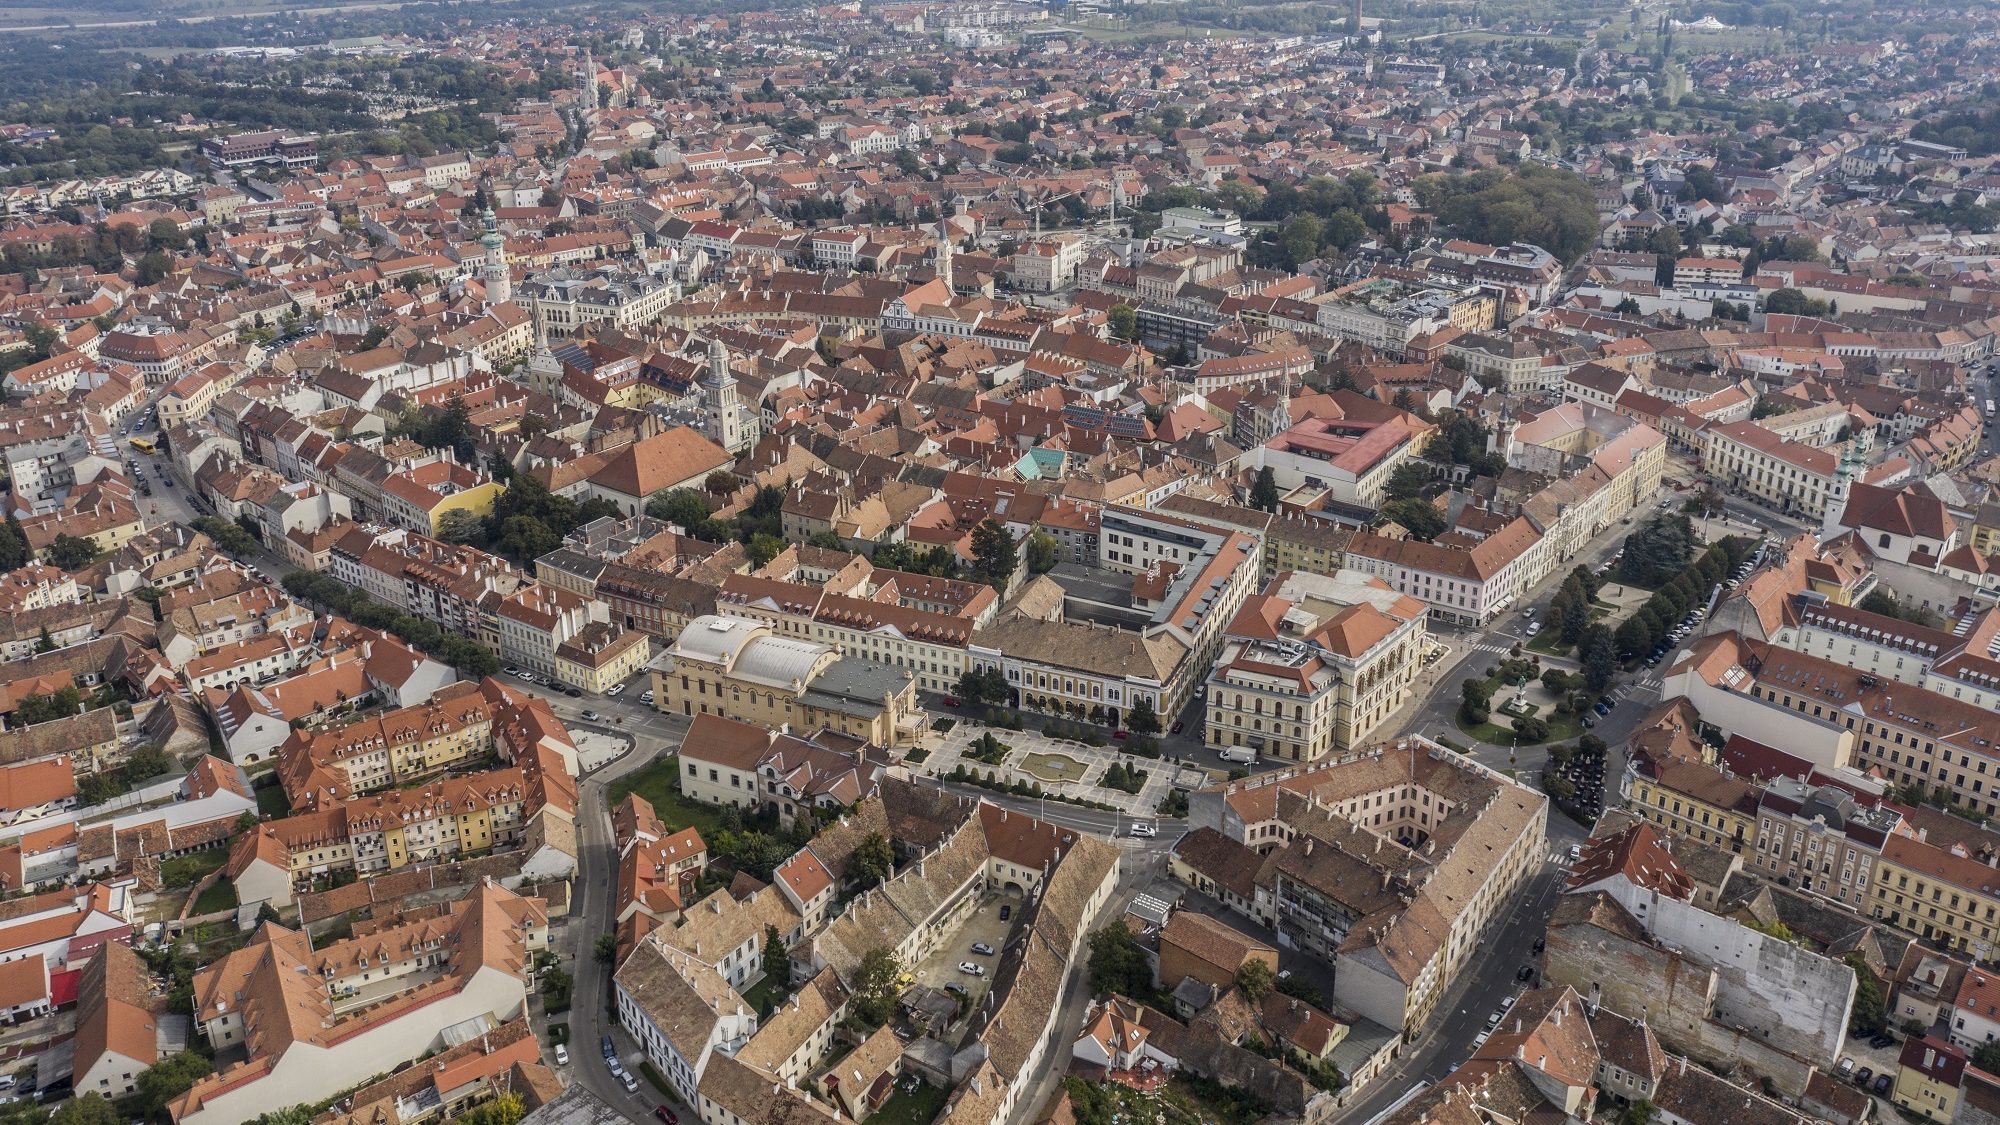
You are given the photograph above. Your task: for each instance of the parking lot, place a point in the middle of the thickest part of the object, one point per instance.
(983, 925)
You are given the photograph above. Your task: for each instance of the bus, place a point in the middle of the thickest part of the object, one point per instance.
(144, 445)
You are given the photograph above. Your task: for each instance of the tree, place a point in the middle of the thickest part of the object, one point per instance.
(1633, 637)
(1868, 1004)
(682, 506)
(873, 860)
(1142, 719)
(875, 988)
(1255, 978)
(1409, 482)
(1792, 302)
(1659, 551)
(503, 1110)
(170, 1078)
(1117, 964)
(1638, 1113)
(71, 552)
(1042, 552)
(461, 526)
(777, 958)
(1300, 237)
(40, 708)
(90, 1109)
(13, 545)
(1599, 656)
(1264, 492)
(606, 948)
(1124, 322)
(994, 553)
(1419, 517)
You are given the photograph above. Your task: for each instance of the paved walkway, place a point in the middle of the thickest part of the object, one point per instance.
(948, 751)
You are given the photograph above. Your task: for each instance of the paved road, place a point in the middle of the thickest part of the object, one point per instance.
(590, 1014)
(1447, 1039)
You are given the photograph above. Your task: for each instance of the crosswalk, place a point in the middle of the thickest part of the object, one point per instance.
(1484, 646)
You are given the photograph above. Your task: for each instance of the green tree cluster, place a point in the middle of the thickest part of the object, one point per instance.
(1550, 207)
(468, 656)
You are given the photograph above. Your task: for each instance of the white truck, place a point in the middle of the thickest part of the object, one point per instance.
(1243, 754)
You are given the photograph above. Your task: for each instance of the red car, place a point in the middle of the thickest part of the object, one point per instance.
(950, 702)
(667, 1115)
(1121, 735)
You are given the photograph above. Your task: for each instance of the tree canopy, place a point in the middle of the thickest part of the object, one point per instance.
(1553, 208)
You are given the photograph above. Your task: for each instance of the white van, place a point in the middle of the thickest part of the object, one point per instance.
(1244, 754)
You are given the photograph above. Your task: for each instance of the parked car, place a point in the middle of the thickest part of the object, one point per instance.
(1601, 709)
(646, 696)
(1847, 1067)
(1121, 735)
(1862, 1076)
(609, 1050)
(562, 1055)
(1527, 972)
(971, 969)
(615, 689)
(630, 1083)
(950, 702)
(1534, 627)
(1177, 727)
(1882, 1084)
(1589, 721)
(982, 949)
(1006, 912)
(573, 692)
(1881, 1041)
(667, 1115)
(590, 716)
(955, 988)
(1145, 830)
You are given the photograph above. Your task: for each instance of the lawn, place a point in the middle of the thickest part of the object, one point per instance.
(1054, 767)
(187, 870)
(656, 783)
(221, 895)
(1561, 727)
(767, 992)
(911, 1107)
(272, 802)
(1548, 642)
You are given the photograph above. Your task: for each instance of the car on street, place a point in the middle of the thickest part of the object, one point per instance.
(982, 949)
(1576, 851)
(1527, 971)
(609, 1050)
(615, 689)
(1493, 1020)
(590, 716)
(950, 702)
(646, 696)
(1600, 708)
(667, 1115)
(1589, 721)
(1145, 830)
(971, 969)
(1177, 727)
(562, 1055)
(630, 1083)
(573, 692)
(1534, 627)
(1121, 735)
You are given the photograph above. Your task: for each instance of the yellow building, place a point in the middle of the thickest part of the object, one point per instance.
(601, 655)
(742, 669)
(1928, 1079)
(1691, 797)
(420, 499)
(1944, 895)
